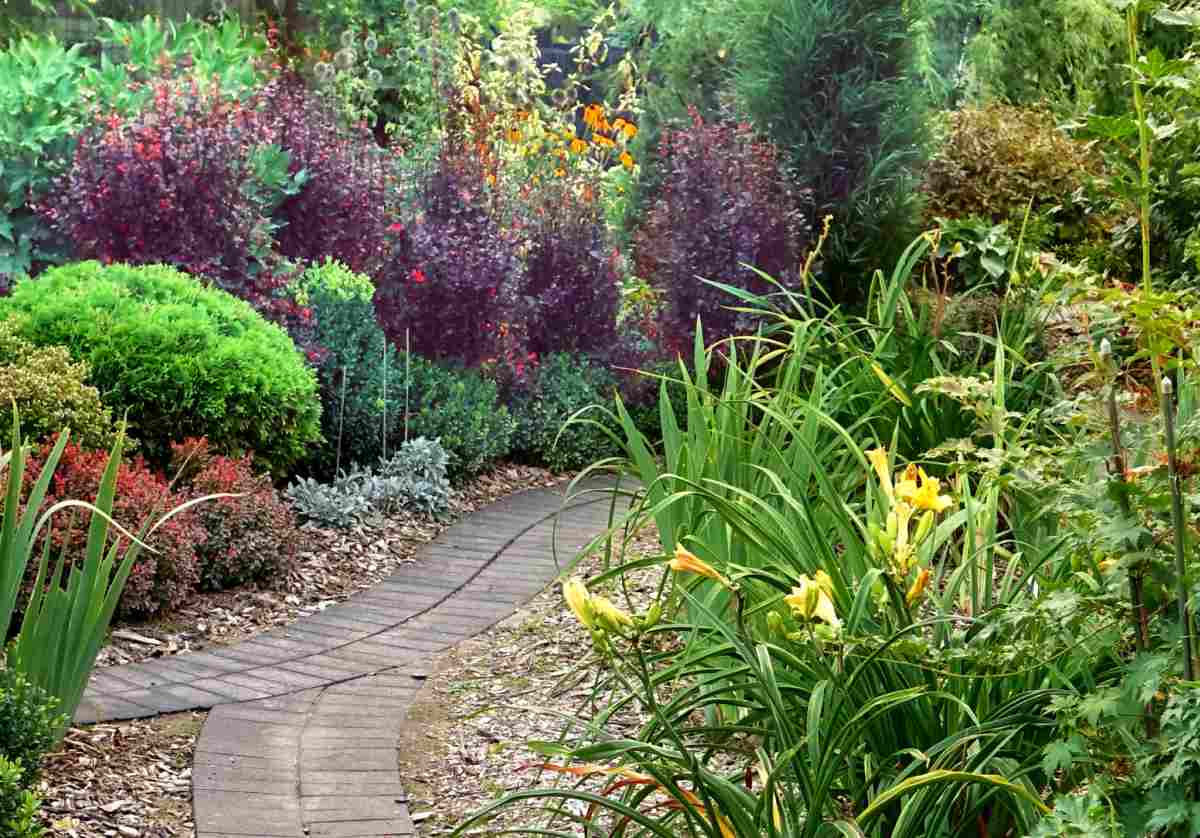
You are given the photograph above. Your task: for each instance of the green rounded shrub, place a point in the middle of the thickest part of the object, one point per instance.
(562, 386)
(459, 408)
(351, 369)
(50, 392)
(180, 359)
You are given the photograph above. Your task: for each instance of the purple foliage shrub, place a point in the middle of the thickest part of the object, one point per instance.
(452, 276)
(343, 209)
(570, 285)
(723, 202)
(171, 184)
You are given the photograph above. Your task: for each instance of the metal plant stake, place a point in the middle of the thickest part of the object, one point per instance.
(1118, 470)
(1168, 409)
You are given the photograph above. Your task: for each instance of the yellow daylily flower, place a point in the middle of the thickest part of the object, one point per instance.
(921, 490)
(688, 562)
(579, 601)
(917, 590)
(879, 459)
(810, 600)
(609, 614)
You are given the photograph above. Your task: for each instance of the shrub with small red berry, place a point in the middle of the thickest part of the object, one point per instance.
(250, 537)
(723, 203)
(161, 579)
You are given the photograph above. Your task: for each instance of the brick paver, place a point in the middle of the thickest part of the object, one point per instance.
(302, 736)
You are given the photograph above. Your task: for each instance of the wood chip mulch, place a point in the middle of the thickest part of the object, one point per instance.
(133, 779)
(129, 779)
(527, 678)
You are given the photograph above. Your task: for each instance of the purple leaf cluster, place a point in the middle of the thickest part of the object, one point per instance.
(450, 283)
(170, 184)
(570, 284)
(342, 211)
(723, 203)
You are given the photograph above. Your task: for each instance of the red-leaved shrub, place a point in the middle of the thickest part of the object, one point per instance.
(160, 580)
(251, 537)
(723, 202)
(174, 183)
(570, 284)
(342, 210)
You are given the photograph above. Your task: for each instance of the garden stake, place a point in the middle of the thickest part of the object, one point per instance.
(1177, 521)
(407, 379)
(337, 464)
(1118, 469)
(383, 427)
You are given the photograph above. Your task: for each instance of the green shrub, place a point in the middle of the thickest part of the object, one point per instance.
(833, 83)
(27, 723)
(562, 386)
(50, 391)
(181, 359)
(462, 410)
(18, 805)
(350, 372)
(994, 159)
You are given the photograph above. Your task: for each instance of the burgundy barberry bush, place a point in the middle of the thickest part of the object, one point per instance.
(342, 211)
(723, 202)
(248, 538)
(160, 580)
(171, 184)
(449, 287)
(570, 285)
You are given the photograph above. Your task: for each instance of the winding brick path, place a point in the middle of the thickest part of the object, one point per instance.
(302, 736)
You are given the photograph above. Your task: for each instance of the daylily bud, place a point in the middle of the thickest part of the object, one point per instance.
(579, 601)
(774, 623)
(924, 527)
(653, 615)
(610, 616)
(918, 588)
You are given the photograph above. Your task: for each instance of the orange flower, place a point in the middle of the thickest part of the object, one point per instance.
(514, 136)
(626, 159)
(560, 172)
(602, 141)
(630, 130)
(592, 115)
(578, 146)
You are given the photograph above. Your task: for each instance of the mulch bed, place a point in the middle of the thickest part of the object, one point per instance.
(527, 678)
(131, 780)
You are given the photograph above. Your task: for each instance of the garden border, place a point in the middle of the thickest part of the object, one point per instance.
(303, 735)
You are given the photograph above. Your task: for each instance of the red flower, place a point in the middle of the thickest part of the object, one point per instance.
(418, 275)
(396, 228)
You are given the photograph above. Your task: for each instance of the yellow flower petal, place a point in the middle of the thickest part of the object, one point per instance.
(879, 460)
(688, 562)
(579, 601)
(918, 588)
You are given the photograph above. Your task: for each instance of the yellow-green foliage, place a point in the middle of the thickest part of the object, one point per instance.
(50, 391)
(993, 159)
